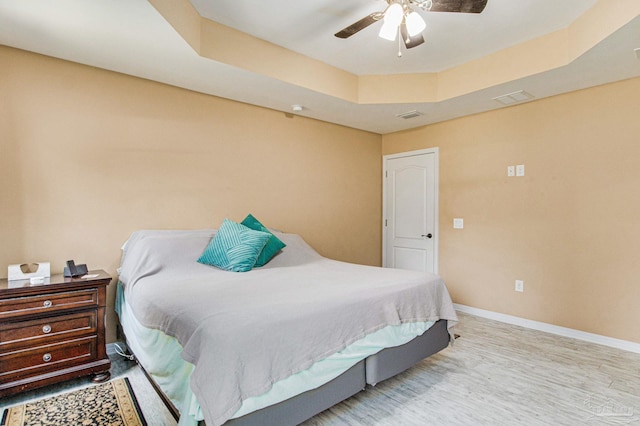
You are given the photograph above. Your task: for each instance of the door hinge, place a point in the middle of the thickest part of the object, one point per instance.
(386, 174)
(385, 222)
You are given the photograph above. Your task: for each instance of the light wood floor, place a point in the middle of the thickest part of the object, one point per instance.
(495, 374)
(500, 374)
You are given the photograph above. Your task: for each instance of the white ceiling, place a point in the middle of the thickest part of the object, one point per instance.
(131, 37)
(308, 27)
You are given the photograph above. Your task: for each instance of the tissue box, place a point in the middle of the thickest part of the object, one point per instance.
(26, 271)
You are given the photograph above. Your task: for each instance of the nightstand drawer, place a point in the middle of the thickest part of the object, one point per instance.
(46, 303)
(28, 362)
(45, 330)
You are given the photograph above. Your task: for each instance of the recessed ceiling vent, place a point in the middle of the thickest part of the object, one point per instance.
(409, 114)
(514, 98)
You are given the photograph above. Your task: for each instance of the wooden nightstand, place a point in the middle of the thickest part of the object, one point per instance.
(52, 332)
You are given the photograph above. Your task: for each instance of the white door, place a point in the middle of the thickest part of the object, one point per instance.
(410, 220)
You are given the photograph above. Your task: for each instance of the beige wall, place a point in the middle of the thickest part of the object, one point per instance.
(570, 228)
(88, 156)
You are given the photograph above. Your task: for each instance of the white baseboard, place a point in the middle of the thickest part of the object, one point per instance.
(550, 328)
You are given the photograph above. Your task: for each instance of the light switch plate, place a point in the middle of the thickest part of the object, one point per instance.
(520, 170)
(519, 286)
(511, 171)
(458, 223)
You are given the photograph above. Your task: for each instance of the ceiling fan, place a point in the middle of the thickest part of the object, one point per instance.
(399, 17)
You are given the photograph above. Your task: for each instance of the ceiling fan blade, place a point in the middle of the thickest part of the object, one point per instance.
(465, 6)
(360, 25)
(410, 42)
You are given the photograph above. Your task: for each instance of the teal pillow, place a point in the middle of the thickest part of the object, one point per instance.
(234, 247)
(274, 245)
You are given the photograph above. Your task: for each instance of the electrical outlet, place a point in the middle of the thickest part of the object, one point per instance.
(458, 223)
(511, 171)
(519, 286)
(520, 170)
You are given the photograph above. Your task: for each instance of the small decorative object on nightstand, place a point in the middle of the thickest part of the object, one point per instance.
(52, 331)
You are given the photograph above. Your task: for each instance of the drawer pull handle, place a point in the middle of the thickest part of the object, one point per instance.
(46, 357)
(47, 303)
(46, 329)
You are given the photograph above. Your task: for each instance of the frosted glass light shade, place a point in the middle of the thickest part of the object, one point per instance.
(415, 23)
(388, 31)
(394, 14)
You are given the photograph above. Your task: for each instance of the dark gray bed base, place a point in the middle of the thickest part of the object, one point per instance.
(391, 361)
(374, 369)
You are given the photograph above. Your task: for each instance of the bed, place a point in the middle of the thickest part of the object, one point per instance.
(275, 345)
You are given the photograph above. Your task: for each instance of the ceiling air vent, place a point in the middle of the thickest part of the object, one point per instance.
(409, 114)
(514, 98)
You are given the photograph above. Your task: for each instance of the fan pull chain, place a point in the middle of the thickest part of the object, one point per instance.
(399, 43)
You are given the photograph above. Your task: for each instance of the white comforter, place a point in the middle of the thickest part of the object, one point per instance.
(246, 331)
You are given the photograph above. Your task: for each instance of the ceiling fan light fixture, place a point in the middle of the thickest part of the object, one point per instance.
(388, 31)
(415, 24)
(399, 17)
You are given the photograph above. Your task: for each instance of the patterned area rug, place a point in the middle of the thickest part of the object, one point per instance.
(112, 403)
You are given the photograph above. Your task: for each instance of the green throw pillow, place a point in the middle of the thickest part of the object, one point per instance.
(274, 245)
(234, 247)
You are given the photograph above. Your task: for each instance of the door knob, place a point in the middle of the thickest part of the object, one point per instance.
(429, 235)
